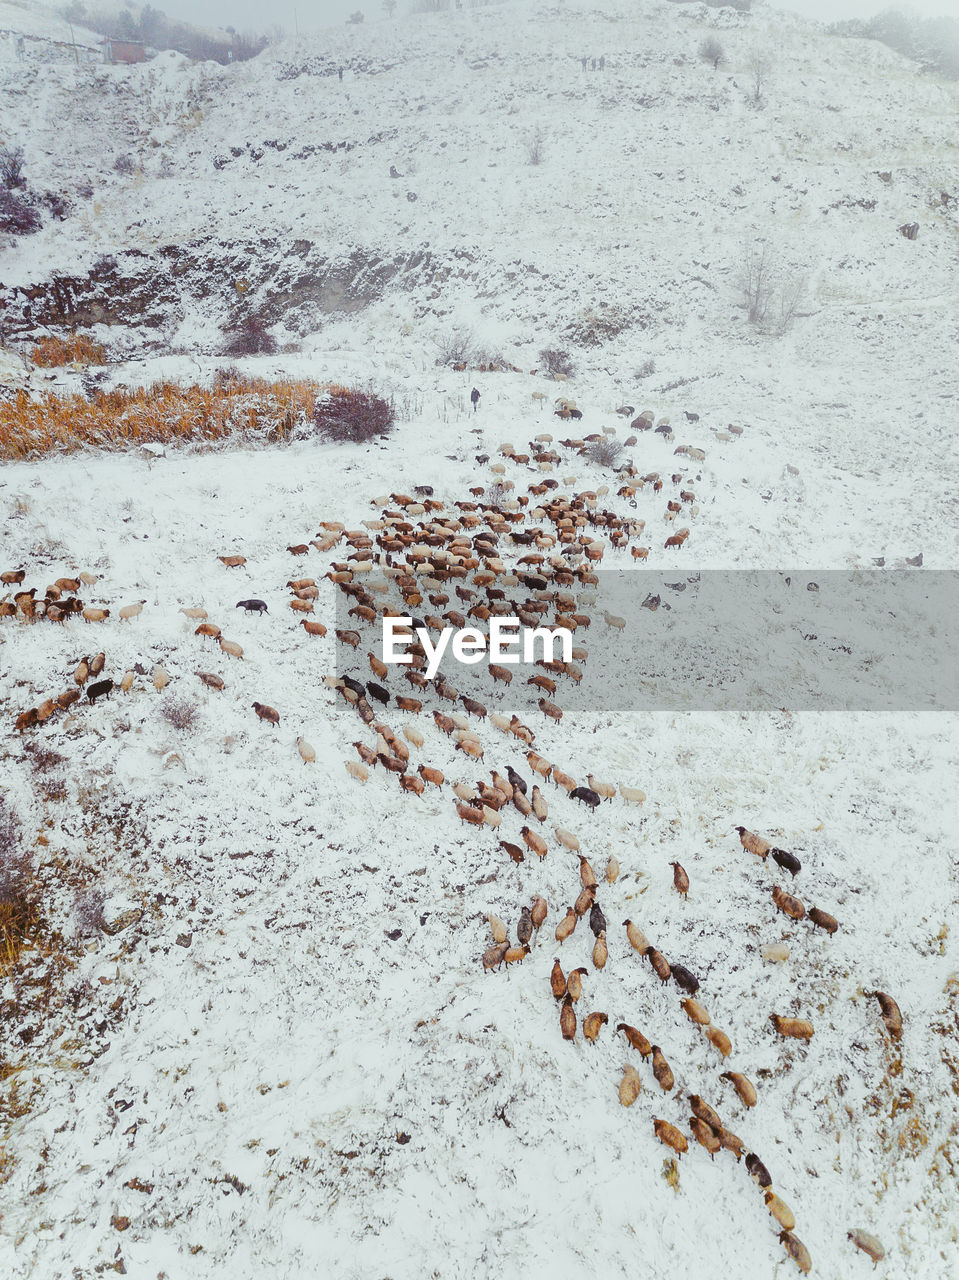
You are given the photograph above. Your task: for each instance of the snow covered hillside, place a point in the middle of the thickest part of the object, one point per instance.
(264, 1037)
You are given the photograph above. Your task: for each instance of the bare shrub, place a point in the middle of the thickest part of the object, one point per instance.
(18, 898)
(712, 51)
(124, 165)
(605, 452)
(350, 416)
(597, 325)
(251, 339)
(17, 214)
(555, 361)
(11, 167)
(645, 370)
(181, 713)
(457, 345)
(536, 146)
(42, 759)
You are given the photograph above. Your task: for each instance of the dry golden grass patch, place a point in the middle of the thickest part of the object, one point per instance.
(51, 351)
(164, 413)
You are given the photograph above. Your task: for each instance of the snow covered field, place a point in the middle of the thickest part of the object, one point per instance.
(291, 1057)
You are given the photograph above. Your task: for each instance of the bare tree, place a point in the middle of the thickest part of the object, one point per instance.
(712, 51)
(772, 297)
(759, 69)
(756, 276)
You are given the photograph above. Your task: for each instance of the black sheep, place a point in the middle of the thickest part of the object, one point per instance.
(101, 689)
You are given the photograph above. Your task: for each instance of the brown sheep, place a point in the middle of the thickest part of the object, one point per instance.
(635, 1038)
(680, 879)
(470, 814)
(662, 1070)
(429, 774)
(270, 714)
(705, 1112)
(208, 629)
(670, 1135)
(745, 1088)
(753, 843)
(659, 963)
(630, 1086)
(797, 1251)
(574, 984)
(232, 562)
(695, 1012)
(593, 1024)
(792, 1028)
(534, 841)
(584, 903)
(557, 981)
(780, 1210)
(823, 920)
(637, 939)
(539, 912)
(493, 958)
(566, 926)
(706, 1136)
(787, 904)
(500, 673)
(410, 782)
(567, 1020)
(732, 1143)
(891, 1014)
(209, 679)
(719, 1040)
(867, 1243)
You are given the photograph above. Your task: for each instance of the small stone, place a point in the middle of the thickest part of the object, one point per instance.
(184, 939)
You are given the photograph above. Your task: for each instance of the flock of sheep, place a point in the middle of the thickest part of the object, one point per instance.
(497, 552)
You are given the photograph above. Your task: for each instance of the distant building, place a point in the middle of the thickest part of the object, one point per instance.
(123, 50)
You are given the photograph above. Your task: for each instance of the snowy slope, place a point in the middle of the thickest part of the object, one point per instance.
(242, 1106)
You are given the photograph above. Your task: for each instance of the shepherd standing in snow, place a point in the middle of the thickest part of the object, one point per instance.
(474, 398)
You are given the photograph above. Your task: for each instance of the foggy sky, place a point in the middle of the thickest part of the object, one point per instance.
(311, 15)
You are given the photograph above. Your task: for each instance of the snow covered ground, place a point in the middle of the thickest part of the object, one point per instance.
(291, 1057)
